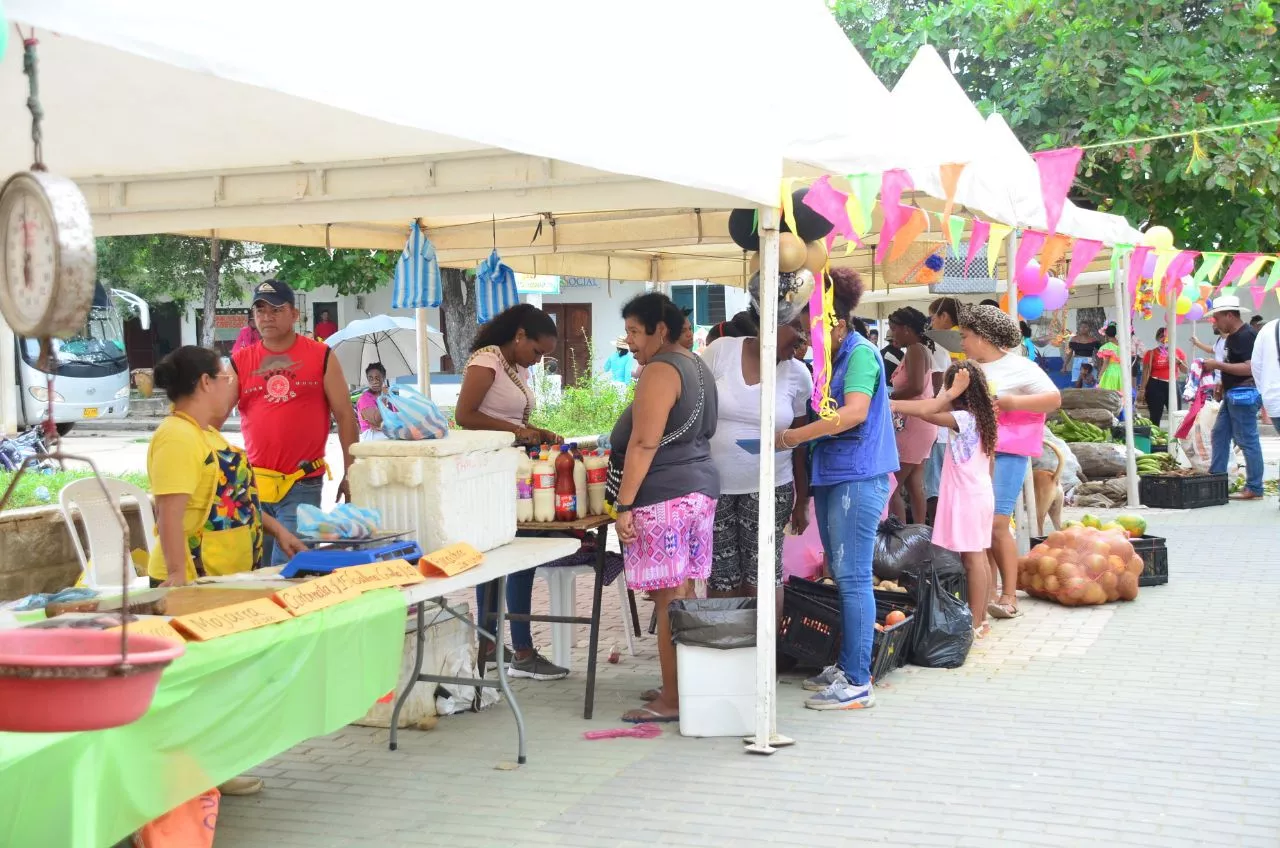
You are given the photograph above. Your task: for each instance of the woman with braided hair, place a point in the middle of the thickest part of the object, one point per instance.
(1024, 395)
(912, 380)
(966, 503)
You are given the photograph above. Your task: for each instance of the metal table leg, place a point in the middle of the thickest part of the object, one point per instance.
(502, 666)
(601, 538)
(635, 613)
(420, 640)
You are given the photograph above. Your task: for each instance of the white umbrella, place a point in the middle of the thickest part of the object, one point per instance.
(388, 339)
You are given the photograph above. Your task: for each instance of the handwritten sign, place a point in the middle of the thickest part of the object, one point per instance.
(159, 627)
(449, 561)
(379, 575)
(316, 594)
(235, 618)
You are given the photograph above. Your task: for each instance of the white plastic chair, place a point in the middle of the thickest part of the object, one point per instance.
(562, 591)
(102, 566)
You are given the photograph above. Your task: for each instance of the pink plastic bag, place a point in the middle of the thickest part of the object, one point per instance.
(802, 555)
(1020, 433)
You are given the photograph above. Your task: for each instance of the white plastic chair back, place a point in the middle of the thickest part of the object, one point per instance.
(102, 565)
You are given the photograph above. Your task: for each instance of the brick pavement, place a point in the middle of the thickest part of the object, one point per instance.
(1152, 723)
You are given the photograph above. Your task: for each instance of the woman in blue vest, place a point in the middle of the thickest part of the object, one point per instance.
(853, 456)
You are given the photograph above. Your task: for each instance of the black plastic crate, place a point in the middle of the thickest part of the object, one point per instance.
(1173, 492)
(811, 619)
(1155, 558)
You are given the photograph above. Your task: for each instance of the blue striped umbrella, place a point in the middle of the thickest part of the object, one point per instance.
(417, 280)
(495, 288)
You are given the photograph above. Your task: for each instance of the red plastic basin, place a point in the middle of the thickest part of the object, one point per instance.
(49, 699)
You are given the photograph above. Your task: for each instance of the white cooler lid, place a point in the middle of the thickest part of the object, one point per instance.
(458, 441)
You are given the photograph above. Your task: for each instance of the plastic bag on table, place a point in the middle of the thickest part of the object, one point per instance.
(1081, 566)
(189, 825)
(944, 627)
(344, 521)
(409, 415)
(899, 547)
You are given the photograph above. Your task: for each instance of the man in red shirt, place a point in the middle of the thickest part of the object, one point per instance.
(290, 388)
(325, 327)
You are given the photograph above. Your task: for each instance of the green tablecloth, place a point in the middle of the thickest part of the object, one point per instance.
(224, 707)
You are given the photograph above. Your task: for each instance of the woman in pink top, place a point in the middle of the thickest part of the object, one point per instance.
(248, 335)
(916, 437)
(367, 410)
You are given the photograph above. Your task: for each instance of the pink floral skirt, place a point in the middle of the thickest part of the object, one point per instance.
(673, 543)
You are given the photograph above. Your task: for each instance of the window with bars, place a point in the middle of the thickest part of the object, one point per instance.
(706, 301)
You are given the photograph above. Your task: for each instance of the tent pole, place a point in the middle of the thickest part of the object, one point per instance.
(10, 393)
(1172, 342)
(1123, 323)
(1024, 511)
(424, 352)
(766, 621)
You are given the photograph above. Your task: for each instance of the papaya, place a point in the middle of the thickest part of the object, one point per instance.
(1134, 525)
(1089, 520)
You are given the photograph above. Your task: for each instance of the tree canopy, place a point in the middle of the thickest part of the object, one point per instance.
(1095, 71)
(348, 271)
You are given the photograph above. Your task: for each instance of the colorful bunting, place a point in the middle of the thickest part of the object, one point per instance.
(831, 204)
(977, 238)
(1251, 271)
(949, 175)
(1136, 261)
(955, 231)
(915, 224)
(1241, 262)
(1274, 277)
(1054, 249)
(1118, 254)
(1180, 267)
(1057, 173)
(999, 232)
(862, 201)
(1082, 254)
(1208, 268)
(1259, 295)
(892, 184)
(1028, 247)
(788, 203)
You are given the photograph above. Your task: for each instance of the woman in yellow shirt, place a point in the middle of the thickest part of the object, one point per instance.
(208, 518)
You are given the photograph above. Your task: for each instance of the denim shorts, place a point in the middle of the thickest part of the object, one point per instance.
(1010, 472)
(933, 469)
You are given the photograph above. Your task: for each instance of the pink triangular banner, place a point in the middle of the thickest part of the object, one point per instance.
(977, 238)
(892, 185)
(1238, 264)
(1180, 267)
(1082, 253)
(1057, 173)
(831, 204)
(1029, 245)
(1259, 294)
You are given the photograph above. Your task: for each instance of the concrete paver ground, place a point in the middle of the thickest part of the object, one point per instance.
(1151, 723)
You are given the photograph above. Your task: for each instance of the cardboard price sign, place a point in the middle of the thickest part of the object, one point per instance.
(379, 575)
(449, 561)
(236, 618)
(316, 594)
(152, 627)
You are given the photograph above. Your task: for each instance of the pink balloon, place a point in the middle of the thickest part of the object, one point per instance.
(1055, 294)
(1031, 280)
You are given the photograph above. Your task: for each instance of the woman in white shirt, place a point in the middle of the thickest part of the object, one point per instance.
(735, 363)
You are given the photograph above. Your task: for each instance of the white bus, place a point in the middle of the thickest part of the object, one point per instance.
(91, 370)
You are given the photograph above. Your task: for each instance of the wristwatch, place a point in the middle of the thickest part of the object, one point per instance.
(621, 508)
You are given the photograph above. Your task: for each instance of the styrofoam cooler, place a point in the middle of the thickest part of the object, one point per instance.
(717, 690)
(457, 489)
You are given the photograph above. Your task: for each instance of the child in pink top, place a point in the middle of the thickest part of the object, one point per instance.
(966, 500)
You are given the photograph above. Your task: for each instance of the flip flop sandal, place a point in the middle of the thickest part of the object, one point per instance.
(1003, 611)
(652, 717)
(650, 695)
(982, 631)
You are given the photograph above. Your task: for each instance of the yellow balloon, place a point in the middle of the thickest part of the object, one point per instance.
(1183, 305)
(791, 253)
(816, 256)
(1159, 237)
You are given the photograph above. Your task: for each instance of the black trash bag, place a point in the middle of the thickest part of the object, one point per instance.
(944, 627)
(723, 623)
(900, 548)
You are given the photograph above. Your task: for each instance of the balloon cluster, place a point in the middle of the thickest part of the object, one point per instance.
(1039, 292)
(802, 254)
(1187, 306)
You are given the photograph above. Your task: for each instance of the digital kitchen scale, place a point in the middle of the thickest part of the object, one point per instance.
(329, 555)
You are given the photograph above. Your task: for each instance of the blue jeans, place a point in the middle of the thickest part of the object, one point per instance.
(286, 512)
(1238, 423)
(848, 515)
(519, 602)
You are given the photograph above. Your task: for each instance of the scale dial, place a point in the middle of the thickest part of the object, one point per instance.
(47, 259)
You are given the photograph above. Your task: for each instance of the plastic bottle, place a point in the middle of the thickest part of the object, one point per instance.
(544, 486)
(524, 488)
(597, 470)
(566, 493)
(579, 482)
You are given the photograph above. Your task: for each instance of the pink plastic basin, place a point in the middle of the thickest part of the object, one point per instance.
(54, 681)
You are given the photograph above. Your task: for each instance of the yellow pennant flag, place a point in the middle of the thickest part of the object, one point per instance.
(995, 243)
(1163, 258)
(788, 203)
(1251, 270)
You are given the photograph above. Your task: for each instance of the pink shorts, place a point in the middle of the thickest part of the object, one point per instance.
(673, 543)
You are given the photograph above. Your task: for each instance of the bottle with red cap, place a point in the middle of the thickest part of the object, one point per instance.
(566, 489)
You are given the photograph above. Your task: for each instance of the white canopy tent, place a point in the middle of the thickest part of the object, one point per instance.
(247, 115)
